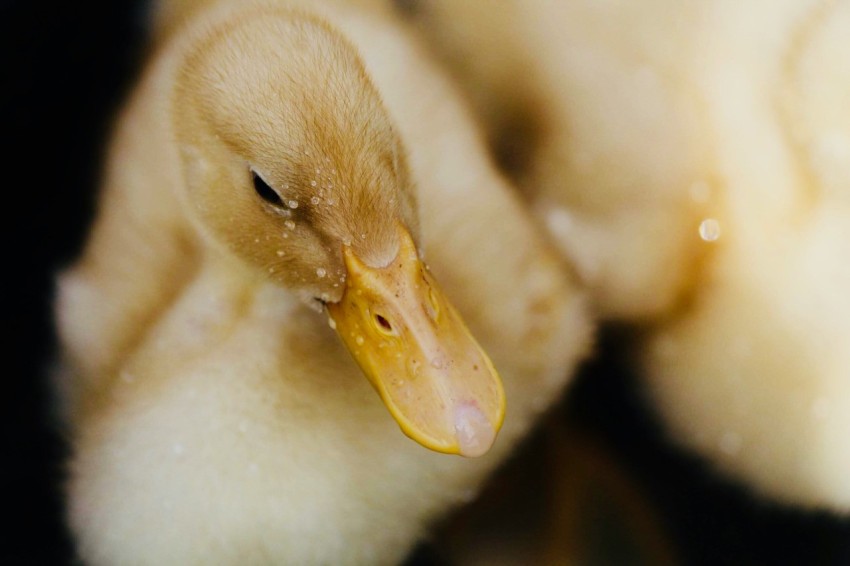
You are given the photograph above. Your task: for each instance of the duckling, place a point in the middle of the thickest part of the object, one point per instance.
(691, 161)
(584, 89)
(279, 159)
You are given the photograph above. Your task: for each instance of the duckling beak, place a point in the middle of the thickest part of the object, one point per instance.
(415, 349)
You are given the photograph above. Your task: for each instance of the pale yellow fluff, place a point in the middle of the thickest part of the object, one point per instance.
(693, 160)
(216, 419)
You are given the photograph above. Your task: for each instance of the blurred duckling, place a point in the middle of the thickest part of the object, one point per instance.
(692, 160)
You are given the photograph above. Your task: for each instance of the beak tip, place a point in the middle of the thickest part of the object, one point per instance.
(475, 433)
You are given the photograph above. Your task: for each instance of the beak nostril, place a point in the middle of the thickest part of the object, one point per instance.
(383, 323)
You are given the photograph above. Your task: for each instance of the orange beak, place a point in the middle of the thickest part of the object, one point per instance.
(415, 349)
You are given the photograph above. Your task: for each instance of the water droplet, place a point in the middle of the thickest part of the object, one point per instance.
(293, 204)
(332, 323)
(325, 297)
(321, 272)
(281, 253)
(285, 235)
(346, 241)
(314, 200)
(331, 202)
(290, 225)
(359, 340)
(709, 230)
(362, 236)
(313, 183)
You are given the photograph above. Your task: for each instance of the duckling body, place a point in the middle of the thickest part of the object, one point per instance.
(217, 418)
(691, 160)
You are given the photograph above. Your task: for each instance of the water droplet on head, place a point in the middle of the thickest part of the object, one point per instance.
(314, 200)
(360, 340)
(293, 204)
(709, 230)
(332, 323)
(313, 183)
(290, 225)
(321, 272)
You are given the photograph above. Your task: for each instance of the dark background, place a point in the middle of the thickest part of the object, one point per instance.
(65, 68)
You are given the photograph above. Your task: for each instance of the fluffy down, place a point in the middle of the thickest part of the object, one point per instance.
(215, 418)
(693, 161)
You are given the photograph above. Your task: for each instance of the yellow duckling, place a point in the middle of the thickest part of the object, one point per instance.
(693, 161)
(277, 157)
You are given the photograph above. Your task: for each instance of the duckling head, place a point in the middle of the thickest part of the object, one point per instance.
(291, 164)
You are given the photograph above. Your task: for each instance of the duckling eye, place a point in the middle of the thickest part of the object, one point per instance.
(266, 193)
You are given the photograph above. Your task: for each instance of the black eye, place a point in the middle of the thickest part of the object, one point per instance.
(263, 189)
